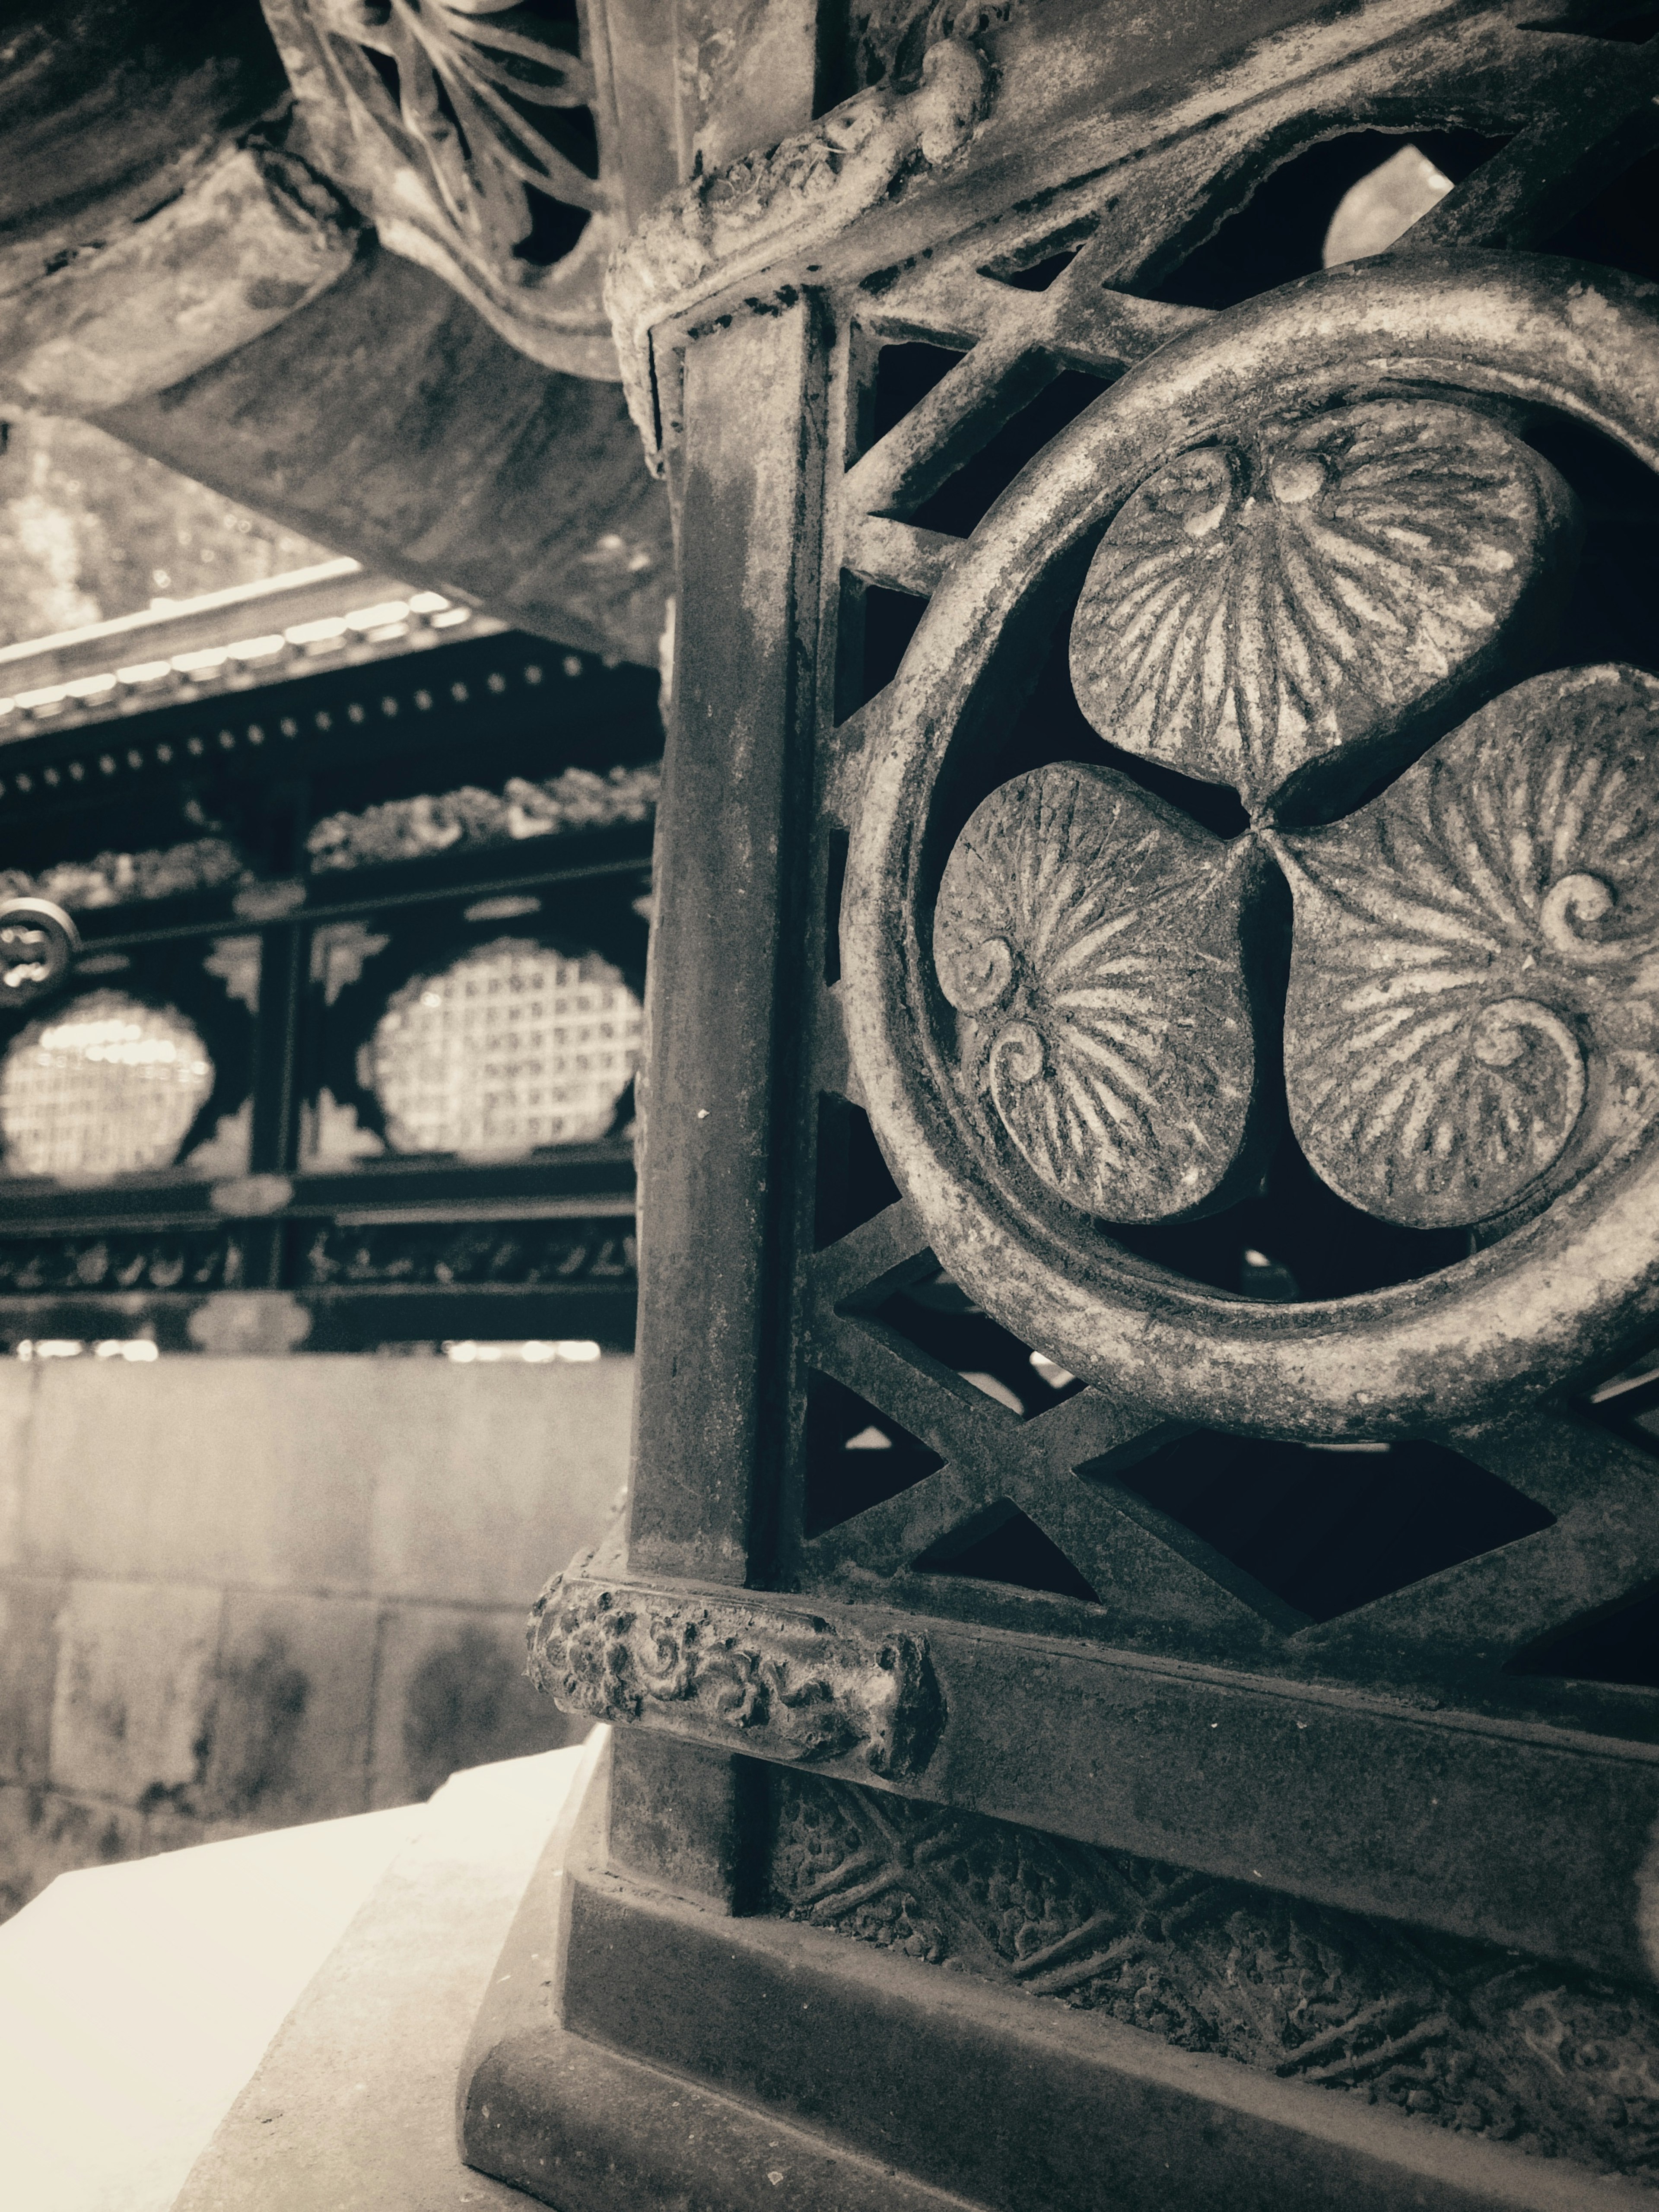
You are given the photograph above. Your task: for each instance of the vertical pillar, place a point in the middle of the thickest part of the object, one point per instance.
(710, 1408)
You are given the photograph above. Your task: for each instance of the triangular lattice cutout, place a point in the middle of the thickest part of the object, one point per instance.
(1012, 1550)
(856, 1456)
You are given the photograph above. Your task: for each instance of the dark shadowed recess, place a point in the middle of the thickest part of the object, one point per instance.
(1619, 1646)
(1328, 1528)
(856, 1458)
(943, 1321)
(1280, 234)
(1014, 1551)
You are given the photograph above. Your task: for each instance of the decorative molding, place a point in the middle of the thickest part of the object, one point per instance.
(1484, 2042)
(728, 1673)
(1476, 956)
(577, 799)
(1282, 602)
(1088, 938)
(723, 228)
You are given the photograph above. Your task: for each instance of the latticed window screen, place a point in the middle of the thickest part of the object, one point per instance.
(511, 1047)
(103, 1086)
(351, 1020)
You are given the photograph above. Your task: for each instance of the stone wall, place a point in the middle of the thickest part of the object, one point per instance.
(237, 1594)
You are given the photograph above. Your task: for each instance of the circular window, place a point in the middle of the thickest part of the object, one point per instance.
(104, 1086)
(512, 1047)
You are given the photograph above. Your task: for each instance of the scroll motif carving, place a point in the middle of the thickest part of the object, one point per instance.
(471, 128)
(1460, 2035)
(1475, 948)
(864, 153)
(1258, 607)
(1088, 937)
(722, 1672)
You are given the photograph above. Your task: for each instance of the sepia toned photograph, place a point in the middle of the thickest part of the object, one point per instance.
(829, 1105)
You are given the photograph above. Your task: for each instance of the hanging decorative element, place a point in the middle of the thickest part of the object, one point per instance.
(1261, 606)
(38, 943)
(1088, 937)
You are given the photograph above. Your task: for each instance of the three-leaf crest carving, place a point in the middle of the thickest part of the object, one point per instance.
(1472, 1009)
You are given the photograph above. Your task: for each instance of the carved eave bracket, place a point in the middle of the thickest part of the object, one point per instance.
(786, 1685)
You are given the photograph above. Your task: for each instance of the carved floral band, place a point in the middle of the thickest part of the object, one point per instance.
(1474, 962)
(785, 1684)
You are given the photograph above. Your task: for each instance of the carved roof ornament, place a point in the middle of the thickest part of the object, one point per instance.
(472, 131)
(1065, 1012)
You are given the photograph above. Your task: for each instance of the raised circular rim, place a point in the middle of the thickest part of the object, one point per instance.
(1565, 1291)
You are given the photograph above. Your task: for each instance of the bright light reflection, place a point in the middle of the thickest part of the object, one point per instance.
(534, 1351)
(136, 1349)
(120, 1044)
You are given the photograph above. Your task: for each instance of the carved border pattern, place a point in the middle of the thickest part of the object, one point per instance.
(1470, 2039)
(786, 1685)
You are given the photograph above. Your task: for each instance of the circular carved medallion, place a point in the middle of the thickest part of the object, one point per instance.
(1061, 1000)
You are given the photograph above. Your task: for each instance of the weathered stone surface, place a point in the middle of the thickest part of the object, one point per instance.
(543, 1467)
(258, 1472)
(450, 1693)
(1088, 938)
(46, 1833)
(530, 493)
(254, 236)
(734, 1674)
(1476, 961)
(286, 1730)
(1272, 600)
(29, 1610)
(134, 1684)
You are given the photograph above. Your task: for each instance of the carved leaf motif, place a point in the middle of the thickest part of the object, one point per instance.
(1256, 607)
(1088, 936)
(1471, 946)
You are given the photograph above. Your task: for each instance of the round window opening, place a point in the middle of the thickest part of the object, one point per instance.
(513, 1046)
(104, 1086)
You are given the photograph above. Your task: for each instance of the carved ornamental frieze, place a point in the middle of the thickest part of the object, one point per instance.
(1321, 565)
(785, 1684)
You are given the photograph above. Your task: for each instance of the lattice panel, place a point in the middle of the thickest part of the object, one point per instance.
(512, 1047)
(104, 1086)
(1567, 1523)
